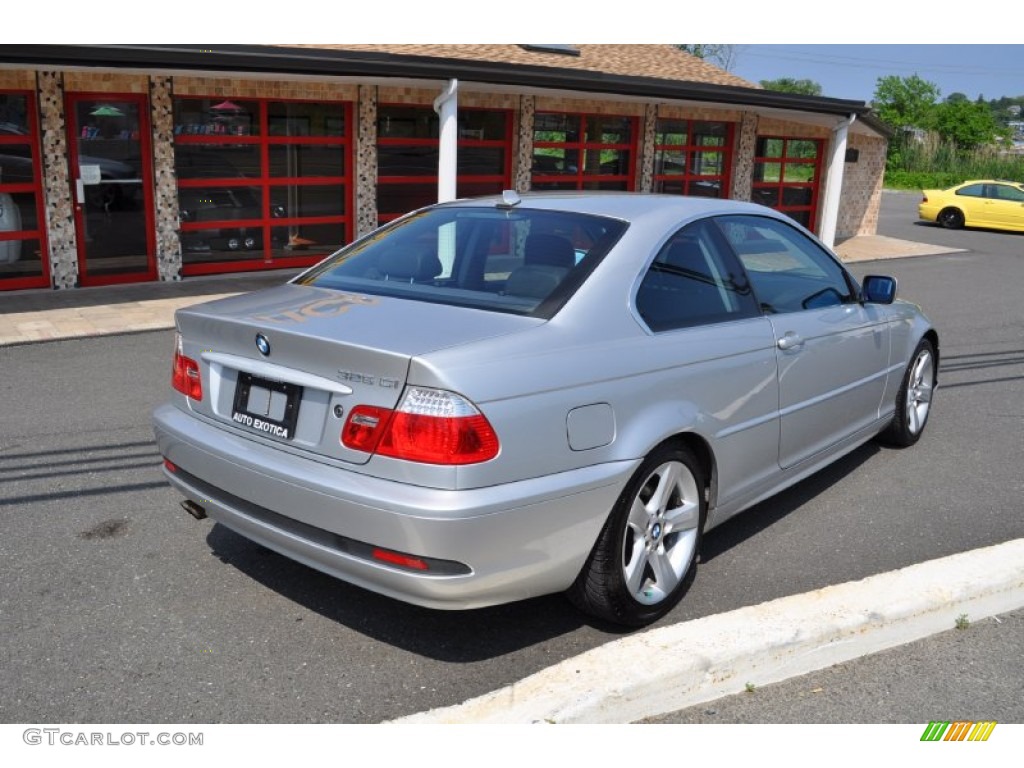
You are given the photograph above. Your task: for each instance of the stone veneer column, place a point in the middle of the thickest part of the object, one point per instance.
(60, 222)
(168, 244)
(524, 159)
(743, 169)
(648, 126)
(366, 162)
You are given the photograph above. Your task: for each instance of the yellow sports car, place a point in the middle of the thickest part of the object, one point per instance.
(987, 203)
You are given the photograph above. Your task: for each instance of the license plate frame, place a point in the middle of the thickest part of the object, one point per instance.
(262, 423)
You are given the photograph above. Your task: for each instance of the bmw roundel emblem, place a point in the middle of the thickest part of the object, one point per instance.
(263, 344)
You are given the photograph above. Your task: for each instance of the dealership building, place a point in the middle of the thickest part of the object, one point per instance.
(131, 163)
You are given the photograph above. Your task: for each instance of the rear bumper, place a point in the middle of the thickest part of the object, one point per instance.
(928, 211)
(516, 540)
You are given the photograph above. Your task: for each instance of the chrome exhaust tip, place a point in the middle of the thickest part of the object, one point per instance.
(194, 509)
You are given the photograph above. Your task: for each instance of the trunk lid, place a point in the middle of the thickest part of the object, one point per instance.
(326, 352)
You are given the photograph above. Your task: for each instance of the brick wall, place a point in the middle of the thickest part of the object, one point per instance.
(105, 82)
(243, 88)
(15, 80)
(862, 187)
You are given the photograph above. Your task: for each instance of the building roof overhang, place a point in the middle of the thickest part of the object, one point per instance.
(339, 62)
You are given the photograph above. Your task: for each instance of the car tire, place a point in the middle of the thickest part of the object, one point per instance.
(951, 218)
(914, 399)
(646, 556)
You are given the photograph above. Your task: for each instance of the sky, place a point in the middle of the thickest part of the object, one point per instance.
(852, 71)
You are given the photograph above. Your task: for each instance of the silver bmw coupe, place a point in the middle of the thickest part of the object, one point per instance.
(493, 399)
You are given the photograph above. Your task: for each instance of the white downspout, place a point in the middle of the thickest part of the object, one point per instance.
(447, 107)
(834, 182)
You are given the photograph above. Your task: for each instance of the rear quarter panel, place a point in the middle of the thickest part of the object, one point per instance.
(718, 382)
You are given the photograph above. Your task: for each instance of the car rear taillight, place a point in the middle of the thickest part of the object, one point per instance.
(430, 426)
(365, 426)
(185, 377)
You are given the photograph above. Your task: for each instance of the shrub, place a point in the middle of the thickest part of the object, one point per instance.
(923, 161)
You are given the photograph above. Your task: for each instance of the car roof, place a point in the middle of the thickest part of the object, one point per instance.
(628, 206)
(1011, 182)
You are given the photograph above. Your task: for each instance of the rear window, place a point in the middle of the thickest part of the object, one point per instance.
(522, 261)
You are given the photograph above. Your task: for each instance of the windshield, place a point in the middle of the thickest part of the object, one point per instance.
(523, 261)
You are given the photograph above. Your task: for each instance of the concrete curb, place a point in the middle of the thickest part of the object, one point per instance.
(674, 667)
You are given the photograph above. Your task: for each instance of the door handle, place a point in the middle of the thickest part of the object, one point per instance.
(790, 341)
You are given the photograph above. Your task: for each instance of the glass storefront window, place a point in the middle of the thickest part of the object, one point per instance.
(607, 148)
(308, 201)
(607, 162)
(609, 130)
(303, 118)
(263, 194)
(484, 125)
(289, 242)
(407, 160)
(701, 188)
(670, 162)
(554, 127)
(556, 161)
(217, 161)
(395, 199)
(216, 117)
(802, 149)
(306, 160)
(16, 164)
(769, 147)
(797, 196)
(669, 131)
(23, 254)
(802, 173)
(407, 122)
(710, 134)
(481, 161)
(683, 164)
(770, 172)
(707, 164)
(408, 153)
(786, 176)
(609, 186)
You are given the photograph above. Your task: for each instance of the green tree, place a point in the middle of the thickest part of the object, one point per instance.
(906, 102)
(967, 124)
(792, 85)
(722, 55)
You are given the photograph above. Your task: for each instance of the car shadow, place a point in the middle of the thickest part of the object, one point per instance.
(934, 225)
(748, 524)
(452, 636)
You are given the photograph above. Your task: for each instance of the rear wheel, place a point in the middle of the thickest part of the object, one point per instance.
(645, 559)
(914, 400)
(951, 218)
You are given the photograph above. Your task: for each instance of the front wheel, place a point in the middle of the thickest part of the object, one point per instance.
(645, 558)
(914, 400)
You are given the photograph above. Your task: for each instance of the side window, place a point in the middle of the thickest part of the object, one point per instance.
(694, 280)
(974, 190)
(788, 270)
(1006, 192)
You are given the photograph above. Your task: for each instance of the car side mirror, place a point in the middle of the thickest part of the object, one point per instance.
(878, 289)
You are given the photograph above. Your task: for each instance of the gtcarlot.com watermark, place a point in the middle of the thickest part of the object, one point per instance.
(62, 737)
